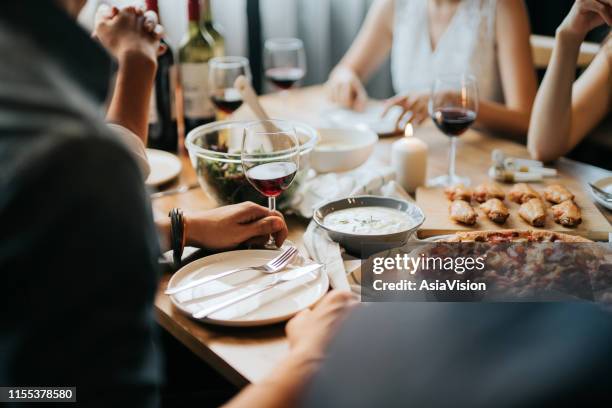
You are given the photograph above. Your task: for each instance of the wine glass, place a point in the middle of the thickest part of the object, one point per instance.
(270, 159)
(453, 107)
(285, 61)
(222, 73)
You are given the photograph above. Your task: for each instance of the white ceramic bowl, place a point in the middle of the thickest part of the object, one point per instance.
(342, 149)
(363, 245)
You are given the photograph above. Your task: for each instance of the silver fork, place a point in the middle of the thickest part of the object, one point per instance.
(272, 266)
(604, 195)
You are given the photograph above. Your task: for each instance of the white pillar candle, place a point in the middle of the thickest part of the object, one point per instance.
(409, 159)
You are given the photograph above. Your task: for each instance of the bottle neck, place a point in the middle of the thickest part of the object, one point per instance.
(194, 12)
(207, 12)
(152, 6)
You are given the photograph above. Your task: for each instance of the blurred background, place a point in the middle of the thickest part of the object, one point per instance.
(327, 28)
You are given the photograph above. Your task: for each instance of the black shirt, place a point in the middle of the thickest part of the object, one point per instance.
(78, 247)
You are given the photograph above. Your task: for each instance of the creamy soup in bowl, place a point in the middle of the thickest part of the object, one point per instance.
(369, 221)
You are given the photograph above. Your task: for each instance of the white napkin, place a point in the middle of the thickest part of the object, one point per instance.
(339, 265)
(368, 179)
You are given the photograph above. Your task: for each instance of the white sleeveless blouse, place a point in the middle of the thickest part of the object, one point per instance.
(468, 45)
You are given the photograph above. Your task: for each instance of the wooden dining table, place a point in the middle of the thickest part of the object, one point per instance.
(245, 355)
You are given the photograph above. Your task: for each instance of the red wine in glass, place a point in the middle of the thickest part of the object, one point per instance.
(227, 100)
(453, 121)
(284, 77)
(271, 179)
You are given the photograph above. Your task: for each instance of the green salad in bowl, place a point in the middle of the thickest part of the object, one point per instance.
(214, 151)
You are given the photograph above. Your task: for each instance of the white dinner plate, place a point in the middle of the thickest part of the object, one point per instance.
(272, 306)
(165, 167)
(606, 185)
(370, 119)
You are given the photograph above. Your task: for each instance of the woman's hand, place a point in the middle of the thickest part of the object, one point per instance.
(129, 33)
(414, 109)
(229, 226)
(345, 89)
(585, 15)
(310, 330)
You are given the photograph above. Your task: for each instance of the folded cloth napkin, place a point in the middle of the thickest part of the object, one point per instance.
(365, 180)
(339, 265)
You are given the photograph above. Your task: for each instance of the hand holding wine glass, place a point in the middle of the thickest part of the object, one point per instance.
(222, 73)
(453, 107)
(285, 61)
(270, 159)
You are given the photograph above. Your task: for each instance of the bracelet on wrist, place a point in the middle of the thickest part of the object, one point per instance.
(177, 234)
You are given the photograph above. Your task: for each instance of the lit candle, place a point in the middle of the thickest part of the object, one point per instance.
(409, 159)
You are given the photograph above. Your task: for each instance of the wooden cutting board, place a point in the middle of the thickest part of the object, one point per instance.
(434, 204)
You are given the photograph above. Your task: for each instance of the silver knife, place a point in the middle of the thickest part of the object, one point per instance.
(285, 277)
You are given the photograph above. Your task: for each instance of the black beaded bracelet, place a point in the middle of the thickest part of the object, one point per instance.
(177, 234)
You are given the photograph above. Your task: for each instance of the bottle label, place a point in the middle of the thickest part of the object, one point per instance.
(194, 78)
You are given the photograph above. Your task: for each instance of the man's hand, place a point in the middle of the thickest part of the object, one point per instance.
(585, 15)
(310, 330)
(129, 33)
(229, 226)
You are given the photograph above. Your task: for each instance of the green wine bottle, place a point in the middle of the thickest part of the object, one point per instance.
(208, 26)
(195, 52)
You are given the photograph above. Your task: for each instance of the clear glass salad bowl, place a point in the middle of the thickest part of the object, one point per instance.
(214, 151)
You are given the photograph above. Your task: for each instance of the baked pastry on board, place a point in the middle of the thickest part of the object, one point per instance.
(514, 236)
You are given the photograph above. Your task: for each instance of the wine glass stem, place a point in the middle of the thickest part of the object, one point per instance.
(451, 159)
(271, 244)
(272, 203)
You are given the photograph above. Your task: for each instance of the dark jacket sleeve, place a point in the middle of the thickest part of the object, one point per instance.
(468, 355)
(78, 254)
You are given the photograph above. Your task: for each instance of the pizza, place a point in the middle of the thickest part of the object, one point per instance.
(514, 236)
(534, 268)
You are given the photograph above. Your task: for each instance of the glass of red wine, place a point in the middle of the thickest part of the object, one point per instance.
(453, 107)
(222, 73)
(285, 61)
(270, 158)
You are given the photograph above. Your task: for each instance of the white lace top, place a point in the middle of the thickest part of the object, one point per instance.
(467, 45)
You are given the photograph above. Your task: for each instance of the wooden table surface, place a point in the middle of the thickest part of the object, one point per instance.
(247, 355)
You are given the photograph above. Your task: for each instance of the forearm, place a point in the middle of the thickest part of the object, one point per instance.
(281, 389)
(163, 232)
(552, 112)
(498, 117)
(364, 61)
(373, 42)
(129, 106)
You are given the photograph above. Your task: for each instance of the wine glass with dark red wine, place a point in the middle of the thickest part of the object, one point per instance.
(453, 107)
(222, 73)
(270, 159)
(285, 62)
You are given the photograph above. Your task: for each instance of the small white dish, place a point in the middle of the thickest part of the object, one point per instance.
(371, 118)
(606, 185)
(341, 150)
(165, 167)
(272, 306)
